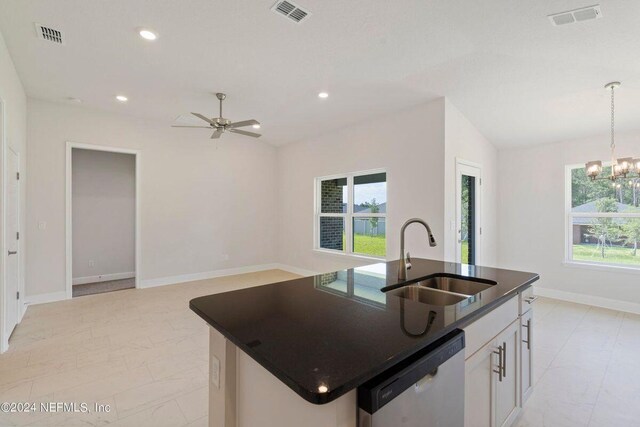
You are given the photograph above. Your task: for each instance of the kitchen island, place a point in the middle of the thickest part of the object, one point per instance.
(294, 353)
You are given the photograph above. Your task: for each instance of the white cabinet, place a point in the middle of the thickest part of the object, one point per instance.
(480, 387)
(507, 401)
(491, 381)
(493, 366)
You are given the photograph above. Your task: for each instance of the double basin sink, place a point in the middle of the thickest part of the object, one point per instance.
(442, 289)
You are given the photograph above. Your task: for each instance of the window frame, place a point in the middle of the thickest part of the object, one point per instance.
(568, 235)
(347, 216)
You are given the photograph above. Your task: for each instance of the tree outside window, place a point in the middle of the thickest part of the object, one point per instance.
(604, 220)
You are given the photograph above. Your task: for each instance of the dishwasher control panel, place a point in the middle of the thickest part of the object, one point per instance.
(419, 368)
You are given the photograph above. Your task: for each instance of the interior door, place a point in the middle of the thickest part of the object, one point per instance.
(468, 228)
(12, 240)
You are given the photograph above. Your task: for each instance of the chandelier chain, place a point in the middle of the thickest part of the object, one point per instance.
(613, 143)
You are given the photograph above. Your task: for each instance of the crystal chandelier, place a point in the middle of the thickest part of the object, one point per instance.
(620, 168)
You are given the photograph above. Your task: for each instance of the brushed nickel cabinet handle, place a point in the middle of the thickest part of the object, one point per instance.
(13, 252)
(530, 300)
(504, 361)
(500, 370)
(528, 340)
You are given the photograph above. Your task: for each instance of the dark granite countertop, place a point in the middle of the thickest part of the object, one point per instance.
(337, 330)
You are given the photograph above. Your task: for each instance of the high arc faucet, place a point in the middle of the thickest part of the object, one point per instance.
(405, 261)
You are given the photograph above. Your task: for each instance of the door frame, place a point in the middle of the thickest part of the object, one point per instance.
(5, 246)
(4, 147)
(4, 341)
(68, 208)
(461, 165)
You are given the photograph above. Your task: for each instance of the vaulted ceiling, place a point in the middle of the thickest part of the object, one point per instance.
(517, 77)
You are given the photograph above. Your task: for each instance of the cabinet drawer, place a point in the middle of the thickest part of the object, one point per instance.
(488, 326)
(526, 300)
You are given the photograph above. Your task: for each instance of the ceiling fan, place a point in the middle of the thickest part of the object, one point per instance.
(221, 125)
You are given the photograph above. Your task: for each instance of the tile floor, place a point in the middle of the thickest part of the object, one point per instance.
(586, 367)
(143, 352)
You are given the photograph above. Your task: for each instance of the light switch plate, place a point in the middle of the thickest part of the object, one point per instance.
(215, 371)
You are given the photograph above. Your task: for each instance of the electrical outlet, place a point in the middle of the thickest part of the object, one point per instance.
(42, 225)
(225, 257)
(92, 263)
(215, 371)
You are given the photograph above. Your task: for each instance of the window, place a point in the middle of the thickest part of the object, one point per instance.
(603, 220)
(351, 214)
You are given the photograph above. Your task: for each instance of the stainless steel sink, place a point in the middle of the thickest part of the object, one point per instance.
(427, 296)
(442, 290)
(455, 285)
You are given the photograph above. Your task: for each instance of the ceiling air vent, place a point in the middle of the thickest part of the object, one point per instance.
(577, 15)
(49, 34)
(290, 10)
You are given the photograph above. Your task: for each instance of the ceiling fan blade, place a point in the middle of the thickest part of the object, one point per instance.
(243, 124)
(217, 134)
(182, 126)
(206, 119)
(244, 132)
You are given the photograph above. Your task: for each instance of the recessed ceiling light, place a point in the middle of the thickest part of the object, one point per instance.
(122, 98)
(323, 95)
(256, 126)
(148, 34)
(74, 100)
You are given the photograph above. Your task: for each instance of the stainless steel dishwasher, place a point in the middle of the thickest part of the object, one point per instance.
(426, 390)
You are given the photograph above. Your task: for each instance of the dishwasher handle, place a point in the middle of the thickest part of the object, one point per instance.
(426, 381)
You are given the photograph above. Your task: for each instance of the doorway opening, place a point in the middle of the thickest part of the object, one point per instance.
(468, 228)
(103, 245)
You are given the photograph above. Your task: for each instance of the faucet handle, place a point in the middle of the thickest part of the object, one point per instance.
(408, 263)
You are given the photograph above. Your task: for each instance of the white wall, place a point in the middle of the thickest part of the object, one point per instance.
(201, 200)
(463, 141)
(531, 215)
(408, 144)
(14, 101)
(104, 211)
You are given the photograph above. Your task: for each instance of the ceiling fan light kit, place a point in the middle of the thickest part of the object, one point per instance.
(622, 168)
(221, 125)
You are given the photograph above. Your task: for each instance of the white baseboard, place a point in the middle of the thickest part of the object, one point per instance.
(103, 278)
(295, 270)
(23, 310)
(162, 281)
(612, 304)
(45, 298)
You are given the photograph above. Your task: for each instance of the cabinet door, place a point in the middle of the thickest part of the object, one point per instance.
(526, 355)
(479, 389)
(508, 389)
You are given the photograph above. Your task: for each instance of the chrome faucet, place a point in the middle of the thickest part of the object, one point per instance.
(405, 262)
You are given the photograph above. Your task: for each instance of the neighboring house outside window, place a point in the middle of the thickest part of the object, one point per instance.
(603, 220)
(351, 213)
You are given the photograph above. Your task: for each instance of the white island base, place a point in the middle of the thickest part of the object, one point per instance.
(244, 394)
